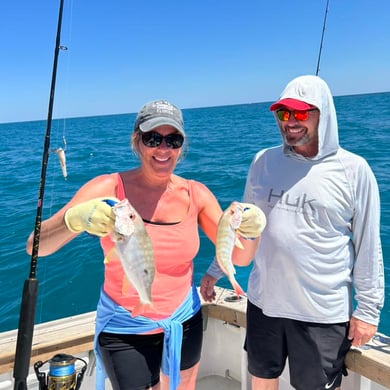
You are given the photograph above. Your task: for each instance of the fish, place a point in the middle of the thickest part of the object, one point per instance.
(61, 158)
(227, 238)
(134, 249)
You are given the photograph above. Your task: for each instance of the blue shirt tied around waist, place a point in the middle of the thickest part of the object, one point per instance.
(113, 318)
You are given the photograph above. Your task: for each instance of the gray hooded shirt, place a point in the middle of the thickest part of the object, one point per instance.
(320, 257)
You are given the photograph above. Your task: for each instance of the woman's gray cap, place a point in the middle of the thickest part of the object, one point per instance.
(158, 113)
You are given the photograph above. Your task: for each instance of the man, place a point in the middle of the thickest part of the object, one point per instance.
(321, 247)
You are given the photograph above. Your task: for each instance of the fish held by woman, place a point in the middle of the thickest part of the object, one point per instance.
(227, 238)
(135, 251)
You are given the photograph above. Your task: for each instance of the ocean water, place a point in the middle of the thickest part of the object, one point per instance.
(222, 142)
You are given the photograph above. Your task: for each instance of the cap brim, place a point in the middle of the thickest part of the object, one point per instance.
(151, 124)
(292, 104)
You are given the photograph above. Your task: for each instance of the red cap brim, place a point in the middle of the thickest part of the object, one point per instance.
(291, 104)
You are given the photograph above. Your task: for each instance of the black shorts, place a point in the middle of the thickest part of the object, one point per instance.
(133, 362)
(315, 352)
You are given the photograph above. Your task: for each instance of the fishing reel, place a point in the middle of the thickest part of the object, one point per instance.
(62, 373)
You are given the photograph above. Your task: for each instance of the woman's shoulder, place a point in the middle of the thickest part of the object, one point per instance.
(201, 192)
(193, 185)
(105, 179)
(102, 185)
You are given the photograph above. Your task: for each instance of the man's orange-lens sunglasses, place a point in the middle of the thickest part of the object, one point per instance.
(284, 114)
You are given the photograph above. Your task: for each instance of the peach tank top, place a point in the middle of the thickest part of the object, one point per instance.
(175, 246)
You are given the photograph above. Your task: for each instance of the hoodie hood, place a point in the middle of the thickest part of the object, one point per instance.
(314, 91)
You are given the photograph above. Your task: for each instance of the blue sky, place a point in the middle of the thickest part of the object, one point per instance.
(123, 53)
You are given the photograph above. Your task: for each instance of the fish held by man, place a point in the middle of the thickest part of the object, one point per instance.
(135, 251)
(227, 238)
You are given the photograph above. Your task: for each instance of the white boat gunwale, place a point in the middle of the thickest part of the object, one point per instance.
(74, 335)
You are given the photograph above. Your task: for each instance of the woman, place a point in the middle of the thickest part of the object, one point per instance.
(167, 336)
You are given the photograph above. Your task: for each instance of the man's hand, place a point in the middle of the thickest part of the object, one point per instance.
(360, 332)
(253, 221)
(207, 288)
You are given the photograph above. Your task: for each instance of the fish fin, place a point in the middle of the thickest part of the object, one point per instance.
(109, 256)
(142, 308)
(125, 285)
(238, 243)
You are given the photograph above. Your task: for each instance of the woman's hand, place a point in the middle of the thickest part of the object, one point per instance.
(94, 216)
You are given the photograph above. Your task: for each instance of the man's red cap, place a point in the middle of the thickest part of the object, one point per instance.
(291, 104)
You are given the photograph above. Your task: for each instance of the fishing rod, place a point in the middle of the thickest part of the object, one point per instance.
(322, 38)
(30, 288)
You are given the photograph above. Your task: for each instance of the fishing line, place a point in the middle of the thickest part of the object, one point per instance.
(55, 169)
(67, 78)
(322, 38)
(60, 150)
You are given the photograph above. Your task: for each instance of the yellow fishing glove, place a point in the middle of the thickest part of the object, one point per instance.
(94, 216)
(253, 221)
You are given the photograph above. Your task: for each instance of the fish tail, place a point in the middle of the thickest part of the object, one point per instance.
(237, 288)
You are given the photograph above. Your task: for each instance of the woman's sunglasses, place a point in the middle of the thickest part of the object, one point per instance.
(152, 139)
(284, 114)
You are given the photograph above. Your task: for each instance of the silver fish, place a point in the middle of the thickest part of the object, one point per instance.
(135, 251)
(227, 238)
(62, 159)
